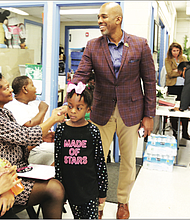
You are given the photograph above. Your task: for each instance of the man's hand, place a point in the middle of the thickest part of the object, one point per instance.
(148, 124)
(43, 107)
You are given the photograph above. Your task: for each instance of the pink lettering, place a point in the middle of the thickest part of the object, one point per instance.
(66, 143)
(73, 143)
(84, 143)
(85, 160)
(78, 143)
(71, 151)
(75, 160)
(65, 160)
(70, 159)
(79, 160)
(77, 151)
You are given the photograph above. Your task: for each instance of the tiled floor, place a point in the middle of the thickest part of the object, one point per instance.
(156, 194)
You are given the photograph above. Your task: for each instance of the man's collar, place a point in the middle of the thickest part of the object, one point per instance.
(121, 41)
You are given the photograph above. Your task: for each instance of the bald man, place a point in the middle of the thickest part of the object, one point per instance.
(120, 61)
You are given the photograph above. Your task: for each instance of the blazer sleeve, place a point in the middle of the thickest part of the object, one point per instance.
(170, 67)
(147, 73)
(85, 66)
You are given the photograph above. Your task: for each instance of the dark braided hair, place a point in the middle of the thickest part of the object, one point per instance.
(87, 94)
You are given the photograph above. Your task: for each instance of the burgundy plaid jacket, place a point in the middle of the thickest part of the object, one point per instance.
(137, 63)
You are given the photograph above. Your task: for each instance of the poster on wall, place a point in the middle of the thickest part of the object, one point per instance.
(34, 72)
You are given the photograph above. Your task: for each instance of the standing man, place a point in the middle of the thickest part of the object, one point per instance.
(120, 61)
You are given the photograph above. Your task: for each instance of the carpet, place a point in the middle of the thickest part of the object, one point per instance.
(113, 176)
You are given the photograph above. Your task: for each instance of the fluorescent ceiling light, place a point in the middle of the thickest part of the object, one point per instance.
(16, 10)
(79, 11)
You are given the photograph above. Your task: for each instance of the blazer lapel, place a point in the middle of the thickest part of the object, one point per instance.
(107, 54)
(125, 50)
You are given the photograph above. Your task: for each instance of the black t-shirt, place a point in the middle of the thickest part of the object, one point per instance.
(79, 162)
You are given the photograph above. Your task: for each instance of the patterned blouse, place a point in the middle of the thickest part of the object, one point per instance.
(14, 140)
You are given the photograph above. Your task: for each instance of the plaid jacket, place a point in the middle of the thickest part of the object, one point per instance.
(126, 90)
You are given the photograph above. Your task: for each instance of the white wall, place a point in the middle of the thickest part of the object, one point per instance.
(63, 24)
(77, 34)
(33, 40)
(183, 28)
(136, 18)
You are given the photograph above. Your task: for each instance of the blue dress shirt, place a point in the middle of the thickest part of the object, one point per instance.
(116, 54)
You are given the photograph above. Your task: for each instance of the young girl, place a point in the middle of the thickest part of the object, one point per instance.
(79, 158)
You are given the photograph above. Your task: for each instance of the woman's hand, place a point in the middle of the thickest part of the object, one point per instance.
(7, 179)
(6, 201)
(59, 113)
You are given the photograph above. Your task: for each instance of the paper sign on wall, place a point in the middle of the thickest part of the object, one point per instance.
(34, 72)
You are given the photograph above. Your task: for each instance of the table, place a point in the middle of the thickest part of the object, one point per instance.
(164, 111)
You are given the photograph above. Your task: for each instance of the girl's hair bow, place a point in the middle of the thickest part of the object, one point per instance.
(79, 88)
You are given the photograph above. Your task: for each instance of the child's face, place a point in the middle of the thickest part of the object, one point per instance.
(5, 92)
(77, 109)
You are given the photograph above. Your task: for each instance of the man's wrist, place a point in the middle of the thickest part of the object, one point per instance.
(151, 117)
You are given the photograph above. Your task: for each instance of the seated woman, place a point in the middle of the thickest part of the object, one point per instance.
(14, 142)
(29, 112)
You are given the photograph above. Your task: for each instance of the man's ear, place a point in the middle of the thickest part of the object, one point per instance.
(118, 20)
(24, 90)
(88, 110)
